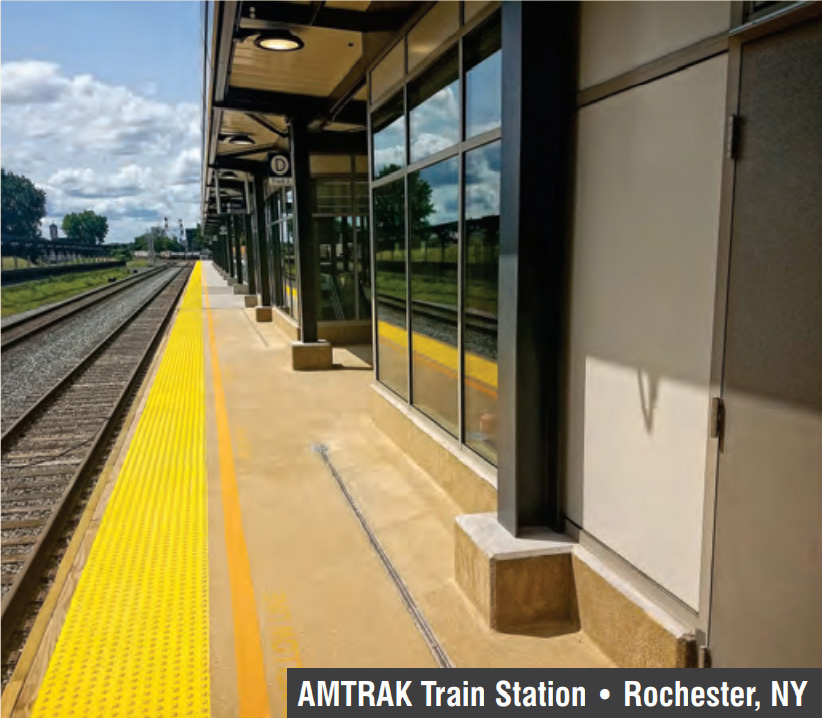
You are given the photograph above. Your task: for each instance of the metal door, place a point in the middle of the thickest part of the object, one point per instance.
(766, 605)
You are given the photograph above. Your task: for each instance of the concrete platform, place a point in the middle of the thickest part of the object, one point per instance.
(292, 578)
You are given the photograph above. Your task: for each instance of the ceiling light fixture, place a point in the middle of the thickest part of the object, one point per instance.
(228, 174)
(280, 40)
(241, 139)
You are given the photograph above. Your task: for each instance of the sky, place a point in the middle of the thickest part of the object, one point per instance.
(100, 107)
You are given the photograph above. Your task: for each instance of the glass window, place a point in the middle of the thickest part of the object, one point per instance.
(425, 252)
(363, 266)
(334, 236)
(482, 183)
(483, 78)
(434, 101)
(389, 137)
(331, 195)
(389, 248)
(361, 197)
(434, 214)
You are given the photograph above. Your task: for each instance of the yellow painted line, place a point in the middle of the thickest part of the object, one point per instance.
(135, 641)
(248, 651)
(476, 367)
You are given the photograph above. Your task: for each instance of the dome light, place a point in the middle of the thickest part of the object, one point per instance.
(241, 139)
(280, 40)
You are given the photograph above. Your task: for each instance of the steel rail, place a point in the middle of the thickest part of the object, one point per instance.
(22, 421)
(27, 579)
(10, 336)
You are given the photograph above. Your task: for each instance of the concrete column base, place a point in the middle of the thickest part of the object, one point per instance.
(250, 300)
(515, 583)
(546, 579)
(240, 288)
(312, 356)
(263, 314)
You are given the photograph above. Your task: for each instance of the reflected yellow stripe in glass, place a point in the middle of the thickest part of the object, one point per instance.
(476, 367)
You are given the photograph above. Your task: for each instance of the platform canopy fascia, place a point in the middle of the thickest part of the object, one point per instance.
(258, 93)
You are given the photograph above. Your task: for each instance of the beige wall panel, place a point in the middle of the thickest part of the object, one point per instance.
(428, 34)
(472, 7)
(619, 36)
(649, 162)
(389, 71)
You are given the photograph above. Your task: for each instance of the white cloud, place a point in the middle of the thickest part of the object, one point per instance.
(103, 147)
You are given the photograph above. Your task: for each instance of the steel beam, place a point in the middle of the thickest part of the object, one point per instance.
(262, 239)
(250, 253)
(308, 264)
(385, 16)
(238, 251)
(538, 104)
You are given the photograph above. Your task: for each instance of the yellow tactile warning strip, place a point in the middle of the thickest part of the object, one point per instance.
(135, 641)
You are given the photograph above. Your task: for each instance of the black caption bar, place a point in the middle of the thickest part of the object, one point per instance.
(501, 692)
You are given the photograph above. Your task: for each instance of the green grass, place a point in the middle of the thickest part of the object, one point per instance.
(30, 295)
(9, 263)
(481, 294)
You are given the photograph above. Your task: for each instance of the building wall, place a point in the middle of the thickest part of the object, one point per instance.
(648, 170)
(618, 36)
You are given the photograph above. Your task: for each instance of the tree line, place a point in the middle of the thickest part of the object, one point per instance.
(24, 206)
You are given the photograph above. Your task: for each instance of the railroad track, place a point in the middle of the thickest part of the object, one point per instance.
(50, 453)
(15, 332)
(479, 321)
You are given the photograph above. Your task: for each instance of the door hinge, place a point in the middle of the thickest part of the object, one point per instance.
(732, 137)
(717, 421)
(705, 660)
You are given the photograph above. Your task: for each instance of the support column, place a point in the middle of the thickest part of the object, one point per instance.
(263, 311)
(229, 247)
(309, 353)
(308, 266)
(538, 94)
(238, 252)
(251, 254)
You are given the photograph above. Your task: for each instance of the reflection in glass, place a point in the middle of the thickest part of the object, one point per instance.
(435, 108)
(331, 195)
(483, 78)
(388, 124)
(363, 266)
(482, 182)
(335, 239)
(389, 248)
(434, 213)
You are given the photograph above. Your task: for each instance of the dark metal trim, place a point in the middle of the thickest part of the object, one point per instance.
(409, 331)
(786, 16)
(656, 69)
(461, 247)
(375, 354)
